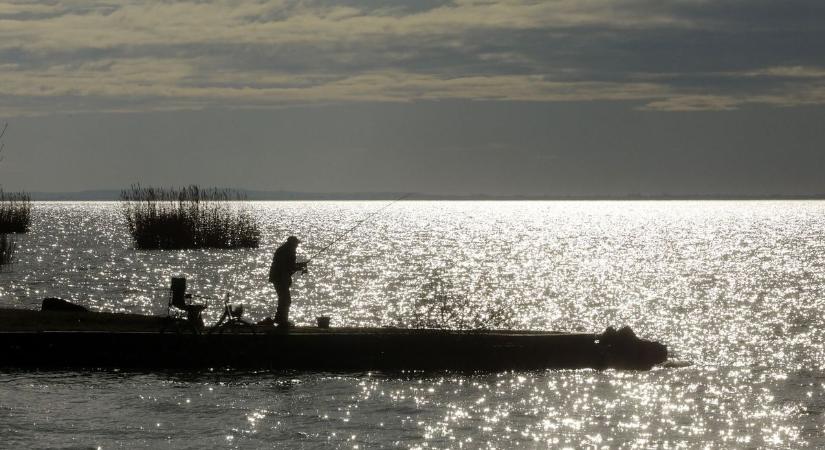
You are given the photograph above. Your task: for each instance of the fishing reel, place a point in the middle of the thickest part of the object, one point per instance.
(302, 267)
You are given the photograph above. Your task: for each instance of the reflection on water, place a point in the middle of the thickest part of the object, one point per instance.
(664, 408)
(734, 288)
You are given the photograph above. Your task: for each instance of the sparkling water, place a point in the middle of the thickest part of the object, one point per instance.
(735, 289)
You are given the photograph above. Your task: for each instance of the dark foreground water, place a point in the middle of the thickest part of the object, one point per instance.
(734, 288)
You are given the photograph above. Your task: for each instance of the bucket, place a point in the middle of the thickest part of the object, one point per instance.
(323, 321)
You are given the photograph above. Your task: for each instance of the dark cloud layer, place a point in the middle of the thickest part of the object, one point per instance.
(678, 50)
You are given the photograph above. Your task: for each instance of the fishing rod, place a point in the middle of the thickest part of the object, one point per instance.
(342, 235)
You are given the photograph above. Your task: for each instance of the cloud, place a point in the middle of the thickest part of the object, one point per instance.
(144, 55)
(694, 103)
(792, 72)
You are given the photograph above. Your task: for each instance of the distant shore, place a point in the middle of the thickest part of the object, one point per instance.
(113, 195)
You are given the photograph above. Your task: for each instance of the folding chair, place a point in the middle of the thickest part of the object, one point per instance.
(180, 301)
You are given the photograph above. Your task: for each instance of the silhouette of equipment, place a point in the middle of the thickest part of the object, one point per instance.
(231, 318)
(180, 301)
(323, 321)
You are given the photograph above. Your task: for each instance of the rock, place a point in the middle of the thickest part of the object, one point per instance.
(621, 349)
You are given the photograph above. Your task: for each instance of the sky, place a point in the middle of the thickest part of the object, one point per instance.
(498, 97)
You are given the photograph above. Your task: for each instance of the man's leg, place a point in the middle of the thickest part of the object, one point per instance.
(284, 300)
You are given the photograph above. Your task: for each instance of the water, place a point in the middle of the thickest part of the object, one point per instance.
(735, 289)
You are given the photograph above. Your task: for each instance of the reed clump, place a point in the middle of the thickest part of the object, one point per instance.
(187, 218)
(15, 212)
(7, 250)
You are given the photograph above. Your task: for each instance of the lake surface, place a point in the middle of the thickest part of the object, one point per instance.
(735, 289)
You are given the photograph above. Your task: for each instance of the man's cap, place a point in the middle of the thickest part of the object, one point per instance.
(293, 239)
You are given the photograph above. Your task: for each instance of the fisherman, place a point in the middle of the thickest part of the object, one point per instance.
(280, 274)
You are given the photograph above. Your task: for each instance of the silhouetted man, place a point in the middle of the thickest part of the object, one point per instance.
(280, 274)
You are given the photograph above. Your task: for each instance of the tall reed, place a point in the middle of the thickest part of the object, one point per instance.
(15, 212)
(190, 217)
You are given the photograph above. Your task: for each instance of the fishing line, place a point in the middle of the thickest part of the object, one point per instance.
(342, 235)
